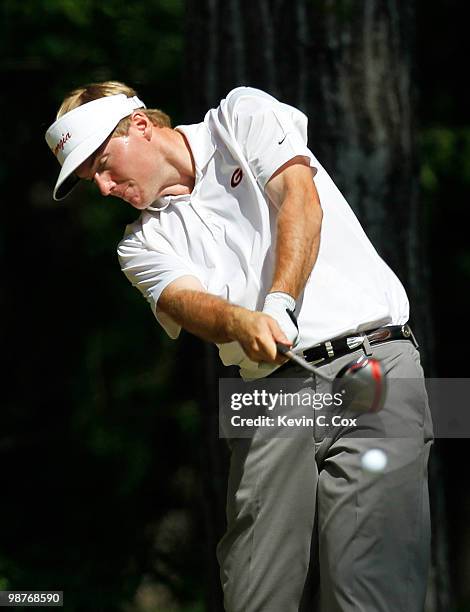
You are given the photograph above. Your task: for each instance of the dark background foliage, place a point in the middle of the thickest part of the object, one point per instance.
(101, 443)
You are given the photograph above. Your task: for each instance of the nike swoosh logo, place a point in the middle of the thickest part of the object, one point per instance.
(281, 141)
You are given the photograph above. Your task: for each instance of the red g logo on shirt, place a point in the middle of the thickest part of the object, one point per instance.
(236, 177)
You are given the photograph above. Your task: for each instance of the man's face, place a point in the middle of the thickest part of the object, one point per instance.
(124, 167)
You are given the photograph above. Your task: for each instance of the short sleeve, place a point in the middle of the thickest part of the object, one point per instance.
(270, 134)
(151, 271)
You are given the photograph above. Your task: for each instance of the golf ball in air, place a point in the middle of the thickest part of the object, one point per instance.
(374, 460)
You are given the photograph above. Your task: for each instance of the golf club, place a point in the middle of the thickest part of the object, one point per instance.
(361, 382)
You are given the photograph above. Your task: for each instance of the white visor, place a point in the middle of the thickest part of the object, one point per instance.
(78, 133)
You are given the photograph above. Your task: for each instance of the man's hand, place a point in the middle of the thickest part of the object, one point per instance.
(280, 306)
(257, 334)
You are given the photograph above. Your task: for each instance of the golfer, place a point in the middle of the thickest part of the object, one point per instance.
(245, 241)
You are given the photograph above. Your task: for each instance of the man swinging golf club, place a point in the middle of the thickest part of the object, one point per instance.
(245, 241)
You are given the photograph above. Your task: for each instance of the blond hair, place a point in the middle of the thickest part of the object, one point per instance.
(93, 91)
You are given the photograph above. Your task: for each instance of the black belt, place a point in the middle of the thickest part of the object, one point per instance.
(331, 349)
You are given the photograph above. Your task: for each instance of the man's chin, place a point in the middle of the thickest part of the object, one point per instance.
(138, 203)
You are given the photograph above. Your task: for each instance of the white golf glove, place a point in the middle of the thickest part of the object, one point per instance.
(277, 305)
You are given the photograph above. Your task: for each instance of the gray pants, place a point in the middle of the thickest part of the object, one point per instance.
(308, 529)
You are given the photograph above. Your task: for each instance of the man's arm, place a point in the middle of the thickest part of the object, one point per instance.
(216, 320)
(292, 190)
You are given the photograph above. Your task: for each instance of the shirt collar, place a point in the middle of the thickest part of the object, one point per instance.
(202, 149)
(200, 143)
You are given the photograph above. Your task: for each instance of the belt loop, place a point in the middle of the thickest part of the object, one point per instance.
(329, 349)
(366, 346)
(408, 333)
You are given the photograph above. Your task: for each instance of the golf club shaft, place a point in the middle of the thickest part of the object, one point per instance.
(302, 362)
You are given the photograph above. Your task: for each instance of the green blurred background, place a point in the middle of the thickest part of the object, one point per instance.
(102, 451)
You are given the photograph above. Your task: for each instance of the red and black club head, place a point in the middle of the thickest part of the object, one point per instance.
(362, 383)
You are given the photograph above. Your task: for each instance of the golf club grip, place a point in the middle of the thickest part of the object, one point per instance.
(284, 349)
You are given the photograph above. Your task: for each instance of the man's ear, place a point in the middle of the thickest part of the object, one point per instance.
(142, 124)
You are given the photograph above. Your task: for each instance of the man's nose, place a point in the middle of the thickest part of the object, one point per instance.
(105, 185)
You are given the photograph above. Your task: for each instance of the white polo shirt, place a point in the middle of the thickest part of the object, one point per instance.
(224, 232)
